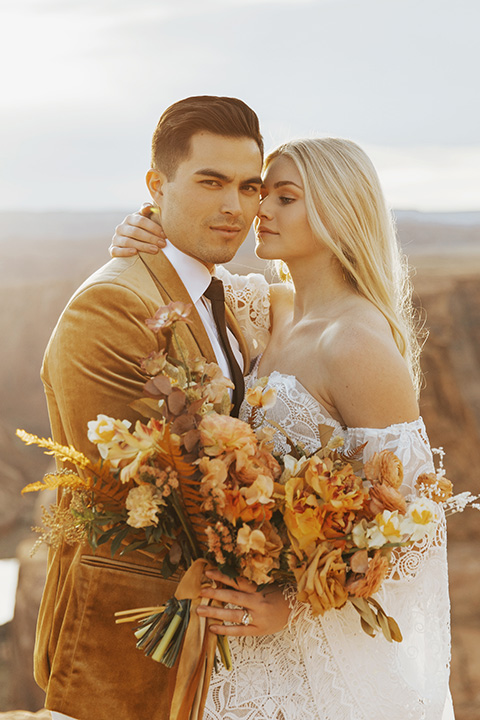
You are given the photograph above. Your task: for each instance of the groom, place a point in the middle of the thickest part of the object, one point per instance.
(205, 180)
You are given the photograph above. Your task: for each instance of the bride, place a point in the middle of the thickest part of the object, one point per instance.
(341, 351)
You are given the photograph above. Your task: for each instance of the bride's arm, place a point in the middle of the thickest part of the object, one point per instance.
(138, 232)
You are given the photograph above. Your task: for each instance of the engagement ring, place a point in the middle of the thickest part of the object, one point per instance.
(247, 618)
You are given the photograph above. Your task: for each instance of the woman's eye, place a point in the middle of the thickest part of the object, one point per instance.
(286, 200)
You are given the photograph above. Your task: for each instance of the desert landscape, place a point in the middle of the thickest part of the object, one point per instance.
(45, 256)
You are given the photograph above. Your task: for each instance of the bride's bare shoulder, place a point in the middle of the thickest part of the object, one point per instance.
(368, 378)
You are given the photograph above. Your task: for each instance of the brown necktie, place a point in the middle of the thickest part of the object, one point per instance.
(216, 295)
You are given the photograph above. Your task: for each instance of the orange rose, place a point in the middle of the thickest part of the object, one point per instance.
(384, 467)
(385, 497)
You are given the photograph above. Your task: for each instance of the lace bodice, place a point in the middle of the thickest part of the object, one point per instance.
(249, 299)
(326, 667)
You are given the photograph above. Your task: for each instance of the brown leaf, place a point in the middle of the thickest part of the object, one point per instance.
(195, 406)
(175, 554)
(182, 424)
(394, 629)
(176, 401)
(157, 387)
(190, 439)
(148, 407)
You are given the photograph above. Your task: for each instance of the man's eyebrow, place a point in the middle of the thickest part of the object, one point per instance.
(209, 172)
(213, 173)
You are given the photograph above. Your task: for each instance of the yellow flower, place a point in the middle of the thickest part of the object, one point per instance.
(422, 519)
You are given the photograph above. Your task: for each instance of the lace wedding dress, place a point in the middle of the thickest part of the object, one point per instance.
(326, 667)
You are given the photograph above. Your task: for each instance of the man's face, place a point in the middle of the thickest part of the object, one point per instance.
(209, 205)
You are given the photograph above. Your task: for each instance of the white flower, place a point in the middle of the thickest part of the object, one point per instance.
(291, 467)
(422, 519)
(104, 431)
(142, 504)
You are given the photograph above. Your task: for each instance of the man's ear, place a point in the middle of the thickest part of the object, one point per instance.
(155, 181)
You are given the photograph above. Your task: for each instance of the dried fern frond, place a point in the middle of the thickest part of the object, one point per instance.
(63, 478)
(64, 453)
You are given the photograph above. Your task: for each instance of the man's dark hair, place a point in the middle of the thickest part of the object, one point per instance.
(224, 116)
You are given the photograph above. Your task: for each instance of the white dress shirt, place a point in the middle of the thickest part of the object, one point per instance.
(196, 278)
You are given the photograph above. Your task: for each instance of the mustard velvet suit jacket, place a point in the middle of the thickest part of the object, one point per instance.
(88, 666)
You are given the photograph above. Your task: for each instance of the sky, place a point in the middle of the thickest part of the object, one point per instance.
(85, 81)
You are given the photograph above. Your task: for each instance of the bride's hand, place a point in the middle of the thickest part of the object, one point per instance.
(139, 232)
(268, 610)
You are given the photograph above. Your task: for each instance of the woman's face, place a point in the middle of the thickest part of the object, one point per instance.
(282, 228)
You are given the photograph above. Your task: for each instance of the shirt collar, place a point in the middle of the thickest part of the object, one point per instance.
(193, 273)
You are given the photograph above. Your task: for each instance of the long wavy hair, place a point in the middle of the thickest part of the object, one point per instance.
(346, 210)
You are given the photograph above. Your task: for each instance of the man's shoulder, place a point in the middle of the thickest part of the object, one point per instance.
(129, 273)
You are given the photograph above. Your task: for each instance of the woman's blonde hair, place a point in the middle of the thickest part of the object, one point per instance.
(346, 210)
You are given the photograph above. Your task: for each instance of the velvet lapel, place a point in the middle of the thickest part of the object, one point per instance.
(172, 289)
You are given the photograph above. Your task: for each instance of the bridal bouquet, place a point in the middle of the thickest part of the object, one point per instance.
(195, 488)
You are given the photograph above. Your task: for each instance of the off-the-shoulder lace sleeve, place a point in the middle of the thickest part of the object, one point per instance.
(408, 441)
(248, 297)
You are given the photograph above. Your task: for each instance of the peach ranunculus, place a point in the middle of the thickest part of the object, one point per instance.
(321, 582)
(385, 497)
(384, 467)
(143, 503)
(228, 436)
(371, 582)
(166, 315)
(433, 486)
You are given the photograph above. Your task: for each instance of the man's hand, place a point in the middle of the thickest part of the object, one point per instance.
(140, 232)
(267, 609)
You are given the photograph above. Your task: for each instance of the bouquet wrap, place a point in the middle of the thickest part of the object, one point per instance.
(195, 662)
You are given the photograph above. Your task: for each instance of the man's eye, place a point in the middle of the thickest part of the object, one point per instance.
(211, 183)
(252, 189)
